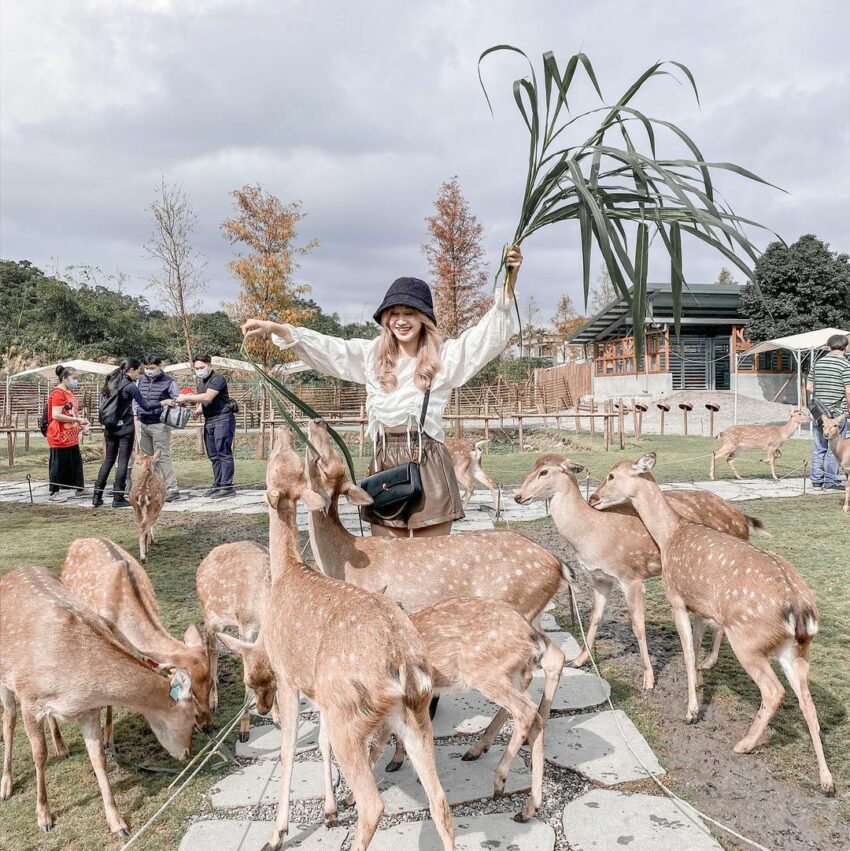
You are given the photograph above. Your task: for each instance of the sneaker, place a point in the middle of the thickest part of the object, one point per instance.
(210, 492)
(834, 487)
(817, 488)
(78, 494)
(223, 493)
(173, 496)
(120, 502)
(57, 497)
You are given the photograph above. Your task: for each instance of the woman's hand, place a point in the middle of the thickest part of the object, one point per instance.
(263, 328)
(513, 261)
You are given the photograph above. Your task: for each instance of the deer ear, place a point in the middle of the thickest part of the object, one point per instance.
(645, 463)
(192, 637)
(356, 495)
(156, 455)
(181, 685)
(312, 500)
(138, 458)
(571, 466)
(273, 497)
(234, 644)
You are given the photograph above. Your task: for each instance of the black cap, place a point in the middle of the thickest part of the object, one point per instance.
(408, 292)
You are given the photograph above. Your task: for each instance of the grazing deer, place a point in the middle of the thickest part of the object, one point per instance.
(840, 447)
(615, 547)
(466, 459)
(758, 599)
(355, 654)
(147, 496)
(107, 578)
(419, 572)
(61, 659)
(767, 437)
(233, 587)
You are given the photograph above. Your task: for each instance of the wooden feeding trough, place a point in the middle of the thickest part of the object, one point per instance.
(712, 410)
(664, 408)
(685, 407)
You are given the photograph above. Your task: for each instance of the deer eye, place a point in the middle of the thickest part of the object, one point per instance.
(610, 477)
(543, 472)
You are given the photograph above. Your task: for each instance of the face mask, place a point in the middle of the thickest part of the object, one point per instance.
(202, 373)
(152, 373)
(73, 383)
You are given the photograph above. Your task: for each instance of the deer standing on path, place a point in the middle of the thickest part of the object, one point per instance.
(614, 547)
(759, 599)
(233, 584)
(355, 654)
(840, 447)
(147, 496)
(466, 459)
(107, 578)
(61, 659)
(767, 437)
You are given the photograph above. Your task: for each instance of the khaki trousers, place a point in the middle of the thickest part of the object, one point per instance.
(153, 436)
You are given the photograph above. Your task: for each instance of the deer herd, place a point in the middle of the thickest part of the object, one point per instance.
(383, 625)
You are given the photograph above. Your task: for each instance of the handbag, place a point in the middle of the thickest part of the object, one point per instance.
(817, 408)
(176, 417)
(396, 490)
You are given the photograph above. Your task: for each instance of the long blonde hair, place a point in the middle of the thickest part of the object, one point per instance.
(427, 354)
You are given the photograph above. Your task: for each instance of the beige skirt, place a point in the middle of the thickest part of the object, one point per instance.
(440, 500)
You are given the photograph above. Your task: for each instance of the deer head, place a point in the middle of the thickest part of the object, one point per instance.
(327, 473)
(196, 662)
(176, 738)
(547, 477)
(621, 483)
(285, 479)
(800, 416)
(832, 427)
(259, 676)
(147, 462)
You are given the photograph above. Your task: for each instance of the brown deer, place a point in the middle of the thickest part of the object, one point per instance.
(614, 547)
(840, 447)
(355, 654)
(767, 437)
(233, 587)
(419, 572)
(147, 496)
(466, 459)
(107, 578)
(758, 599)
(61, 659)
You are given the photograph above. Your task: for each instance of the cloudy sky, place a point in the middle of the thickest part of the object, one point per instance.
(361, 110)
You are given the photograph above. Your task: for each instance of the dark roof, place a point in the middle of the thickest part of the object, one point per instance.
(701, 303)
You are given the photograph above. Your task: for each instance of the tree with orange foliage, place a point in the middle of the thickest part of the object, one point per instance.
(268, 230)
(566, 322)
(455, 257)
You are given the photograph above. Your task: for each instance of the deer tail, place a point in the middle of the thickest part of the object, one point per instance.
(801, 621)
(756, 527)
(568, 573)
(415, 680)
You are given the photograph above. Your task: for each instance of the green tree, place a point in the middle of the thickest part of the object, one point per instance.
(216, 333)
(797, 288)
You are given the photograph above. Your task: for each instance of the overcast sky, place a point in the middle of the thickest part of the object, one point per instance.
(360, 111)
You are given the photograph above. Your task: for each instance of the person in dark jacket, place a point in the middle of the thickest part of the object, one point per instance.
(219, 424)
(117, 396)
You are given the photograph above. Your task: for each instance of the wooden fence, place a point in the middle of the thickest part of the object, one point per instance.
(560, 388)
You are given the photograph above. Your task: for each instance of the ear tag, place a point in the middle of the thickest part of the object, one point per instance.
(175, 692)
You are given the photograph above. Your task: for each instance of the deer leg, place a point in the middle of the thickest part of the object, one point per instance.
(10, 715)
(418, 737)
(287, 698)
(142, 547)
(109, 731)
(35, 733)
(212, 650)
(601, 589)
(714, 654)
(376, 748)
(847, 495)
(90, 728)
(245, 721)
(330, 797)
(772, 455)
(683, 627)
(59, 746)
(796, 669)
(634, 594)
(730, 460)
(485, 480)
(485, 740)
(397, 758)
(552, 662)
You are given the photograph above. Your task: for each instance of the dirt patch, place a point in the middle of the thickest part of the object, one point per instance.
(744, 792)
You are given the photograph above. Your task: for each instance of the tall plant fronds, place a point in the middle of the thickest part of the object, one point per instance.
(605, 182)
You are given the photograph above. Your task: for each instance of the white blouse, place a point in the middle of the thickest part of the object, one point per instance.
(461, 358)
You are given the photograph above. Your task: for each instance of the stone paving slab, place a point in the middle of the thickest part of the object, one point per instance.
(566, 642)
(591, 744)
(603, 819)
(264, 741)
(548, 622)
(258, 784)
(471, 834)
(242, 835)
(462, 781)
(577, 690)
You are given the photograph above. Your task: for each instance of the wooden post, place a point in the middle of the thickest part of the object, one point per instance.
(634, 419)
(663, 407)
(458, 423)
(10, 443)
(685, 407)
(487, 422)
(578, 420)
(641, 409)
(27, 431)
(362, 427)
(592, 418)
(712, 410)
(521, 433)
(622, 425)
(260, 453)
(606, 432)
(272, 430)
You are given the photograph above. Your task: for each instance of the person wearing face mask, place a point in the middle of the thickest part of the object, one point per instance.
(155, 385)
(63, 436)
(219, 424)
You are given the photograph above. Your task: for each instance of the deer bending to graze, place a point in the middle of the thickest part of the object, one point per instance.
(466, 459)
(767, 437)
(840, 447)
(147, 496)
(355, 654)
(761, 602)
(61, 659)
(614, 546)
(107, 578)
(233, 587)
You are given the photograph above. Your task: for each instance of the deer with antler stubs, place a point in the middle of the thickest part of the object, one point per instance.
(355, 654)
(60, 659)
(147, 496)
(759, 600)
(840, 447)
(767, 437)
(466, 459)
(614, 546)
(233, 584)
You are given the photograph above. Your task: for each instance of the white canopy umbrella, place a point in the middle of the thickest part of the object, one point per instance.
(49, 372)
(233, 365)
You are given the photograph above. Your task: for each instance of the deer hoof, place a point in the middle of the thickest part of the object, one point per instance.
(692, 717)
(331, 821)
(521, 817)
(122, 831)
(243, 737)
(471, 755)
(393, 766)
(828, 788)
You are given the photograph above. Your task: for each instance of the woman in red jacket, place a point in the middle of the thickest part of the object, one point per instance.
(63, 436)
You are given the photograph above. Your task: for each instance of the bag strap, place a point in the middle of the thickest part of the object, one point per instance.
(424, 407)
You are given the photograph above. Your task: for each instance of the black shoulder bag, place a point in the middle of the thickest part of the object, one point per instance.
(816, 408)
(396, 490)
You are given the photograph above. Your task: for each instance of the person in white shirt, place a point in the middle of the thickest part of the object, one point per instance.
(398, 367)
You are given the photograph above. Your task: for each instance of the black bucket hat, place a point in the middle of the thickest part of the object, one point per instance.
(408, 292)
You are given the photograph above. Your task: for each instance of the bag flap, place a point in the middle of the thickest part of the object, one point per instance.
(394, 477)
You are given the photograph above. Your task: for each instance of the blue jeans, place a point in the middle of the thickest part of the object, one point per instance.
(218, 439)
(825, 470)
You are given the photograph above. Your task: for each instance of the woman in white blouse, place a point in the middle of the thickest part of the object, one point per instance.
(397, 368)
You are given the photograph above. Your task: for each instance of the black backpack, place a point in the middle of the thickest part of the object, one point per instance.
(44, 421)
(107, 409)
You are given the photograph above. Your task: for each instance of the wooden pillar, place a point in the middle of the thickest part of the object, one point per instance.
(521, 432)
(663, 407)
(27, 431)
(606, 431)
(685, 407)
(712, 410)
(592, 418)
(458, 422)
(362, 427)
(10, 444)
(487, 422)
(622, 425)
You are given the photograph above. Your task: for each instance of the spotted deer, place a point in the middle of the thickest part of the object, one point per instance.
(233, 587)
(760, 601)
(60, 659)
(107, 578)
(614, 547)
(355, 654)
(147, 496)
(767, 437)
(466, 459)
(840, 447)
